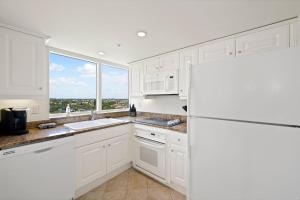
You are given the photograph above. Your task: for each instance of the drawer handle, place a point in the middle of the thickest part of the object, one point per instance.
(43, 150)
(172, 150)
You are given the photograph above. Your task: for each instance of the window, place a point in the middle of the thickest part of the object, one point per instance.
(72, 81)
(114, 87)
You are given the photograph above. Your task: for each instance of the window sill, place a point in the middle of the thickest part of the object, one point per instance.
(113, 111)
(64, 115)
(78, 114)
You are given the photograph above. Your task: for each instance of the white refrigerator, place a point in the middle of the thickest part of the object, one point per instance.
(244, 128)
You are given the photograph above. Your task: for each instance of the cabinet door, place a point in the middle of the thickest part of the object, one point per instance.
(294, 34)
(117, 152)
(217, 51)
(267, 40)
(151, 65)
(90, 163)
(188, 57)
(136, 80)
(178, 165)
(169, 61)
(23, 64)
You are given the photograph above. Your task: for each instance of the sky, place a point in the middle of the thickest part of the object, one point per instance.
(74, 78)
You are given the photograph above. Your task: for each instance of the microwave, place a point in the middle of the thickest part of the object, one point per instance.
(161, 83)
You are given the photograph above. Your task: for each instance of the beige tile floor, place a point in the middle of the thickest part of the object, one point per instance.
(132, 185)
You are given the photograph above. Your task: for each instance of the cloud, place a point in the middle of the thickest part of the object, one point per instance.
(119, 79)
(56, 67)
(87, 70)
(63, 81)
(114, 86)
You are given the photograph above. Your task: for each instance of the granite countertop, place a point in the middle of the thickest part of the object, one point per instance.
(181, 128)
(37, 135)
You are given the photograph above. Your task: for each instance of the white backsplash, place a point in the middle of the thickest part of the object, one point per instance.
(166, 104)
(38, 109)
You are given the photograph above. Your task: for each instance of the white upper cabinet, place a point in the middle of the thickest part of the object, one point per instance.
(267, 40)
(217, 51)
(136, 79)
(169, 61)
(117, 152)
(166, 62)
(167, 73)
(23, 65)
(188, 57)
(294, 34)
(151, 65)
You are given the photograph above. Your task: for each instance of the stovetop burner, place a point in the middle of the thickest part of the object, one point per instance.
(159, 122)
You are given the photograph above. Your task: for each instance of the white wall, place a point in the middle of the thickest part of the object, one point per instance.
(167, 104)
(40, 106)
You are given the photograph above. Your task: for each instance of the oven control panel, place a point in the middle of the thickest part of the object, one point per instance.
(151, 135)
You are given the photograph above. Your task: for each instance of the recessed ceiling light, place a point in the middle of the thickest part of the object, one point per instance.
(141, 34)
(101, 53)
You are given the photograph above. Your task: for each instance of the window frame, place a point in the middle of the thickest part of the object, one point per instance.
(99, 64)
(100, 77)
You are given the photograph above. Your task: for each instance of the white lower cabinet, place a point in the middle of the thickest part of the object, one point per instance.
(117, 152)
(96, 158)
(178, 165)
(90, 163)
(102, 152)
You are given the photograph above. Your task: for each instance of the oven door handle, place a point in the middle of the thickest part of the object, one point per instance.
(151, 144)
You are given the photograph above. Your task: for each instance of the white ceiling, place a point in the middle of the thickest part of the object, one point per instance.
(89, 26)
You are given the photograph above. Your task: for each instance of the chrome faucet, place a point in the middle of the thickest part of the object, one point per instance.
(93, 115)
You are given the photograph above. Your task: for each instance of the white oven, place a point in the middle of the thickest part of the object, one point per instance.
(150, 152)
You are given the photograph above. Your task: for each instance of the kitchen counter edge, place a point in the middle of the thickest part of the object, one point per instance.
(36, 135)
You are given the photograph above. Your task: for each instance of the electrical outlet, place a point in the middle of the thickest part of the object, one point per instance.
(35, 109)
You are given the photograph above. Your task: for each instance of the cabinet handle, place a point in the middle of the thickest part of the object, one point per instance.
(103, 146)
(178, 139)
(109, 145)
(239, 51)
(230, 53)
(40, 88)
(172, 150)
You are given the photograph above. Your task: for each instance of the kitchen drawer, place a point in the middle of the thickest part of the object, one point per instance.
(178, 139)
(101, 134)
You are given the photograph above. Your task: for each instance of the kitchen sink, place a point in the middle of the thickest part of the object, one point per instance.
(85, 125)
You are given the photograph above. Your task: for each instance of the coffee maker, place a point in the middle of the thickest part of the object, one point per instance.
(13, 121)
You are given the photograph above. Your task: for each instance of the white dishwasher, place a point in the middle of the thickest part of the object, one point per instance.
(41, 171)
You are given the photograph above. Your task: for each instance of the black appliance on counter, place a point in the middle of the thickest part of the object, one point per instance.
(132, 111)
(13, 121)
(184, 108)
